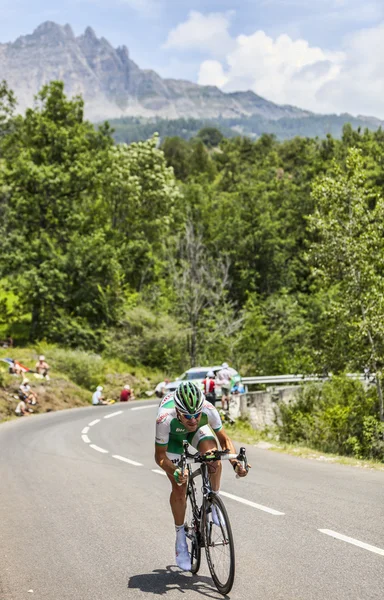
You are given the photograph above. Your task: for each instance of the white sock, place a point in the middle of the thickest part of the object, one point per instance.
(181, 540)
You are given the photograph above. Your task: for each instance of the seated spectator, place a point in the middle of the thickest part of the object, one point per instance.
(21, 409)
(160, 389)
(126, 394)
(209, 387)
(26, 394)
(98, 397)
(14, 368)
(42, 367)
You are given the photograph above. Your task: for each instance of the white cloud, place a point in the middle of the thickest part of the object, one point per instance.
(287, 70)
(282, 70)
(360, 87)
(212, 73)
(203, 33)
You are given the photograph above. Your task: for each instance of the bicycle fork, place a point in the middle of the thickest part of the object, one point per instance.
(206, 526)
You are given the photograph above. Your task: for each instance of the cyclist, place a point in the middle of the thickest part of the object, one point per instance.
(186, 415)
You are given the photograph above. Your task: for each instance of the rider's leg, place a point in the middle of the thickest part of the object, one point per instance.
(215, 467)
(178, 501)
(178, 506)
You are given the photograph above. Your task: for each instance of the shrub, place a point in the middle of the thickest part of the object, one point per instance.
(84, 368)
(148, 339)
(339, 416)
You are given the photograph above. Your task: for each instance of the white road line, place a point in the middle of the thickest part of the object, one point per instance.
(119, 412)
(98, 449)
(94, 422)
(127, 460)
(86, 439)
(144, 407)
(350, 540)
(158, 472)
(272, 511)
(85, 430)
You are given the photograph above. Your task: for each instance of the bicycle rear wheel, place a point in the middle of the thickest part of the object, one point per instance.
(192, 531)
(219, 545)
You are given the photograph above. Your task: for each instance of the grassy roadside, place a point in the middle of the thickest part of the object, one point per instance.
(242, 431)
(74, 376)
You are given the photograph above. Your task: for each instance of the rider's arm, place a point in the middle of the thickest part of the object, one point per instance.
(227, 444)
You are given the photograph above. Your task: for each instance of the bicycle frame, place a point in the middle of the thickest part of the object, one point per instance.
(206, 489)
(185, 463)
(209, 526)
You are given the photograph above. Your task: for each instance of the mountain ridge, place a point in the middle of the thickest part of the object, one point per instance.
(112, 84)
(114, 87)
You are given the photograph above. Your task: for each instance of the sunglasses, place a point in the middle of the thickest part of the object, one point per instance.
(195, 416)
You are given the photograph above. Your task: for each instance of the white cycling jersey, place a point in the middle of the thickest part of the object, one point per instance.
(171, 432)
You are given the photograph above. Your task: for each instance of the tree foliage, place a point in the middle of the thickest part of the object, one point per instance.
(202, 236)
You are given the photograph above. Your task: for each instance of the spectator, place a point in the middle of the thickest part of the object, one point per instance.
(223, 378)
(238, 388)
(14, 368)
(42, 367)
(98, 397)
(26, 393)
(209, 387)
(160, 389)
(126, 394)
(21, 409)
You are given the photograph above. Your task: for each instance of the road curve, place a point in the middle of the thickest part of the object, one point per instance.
(84, 515)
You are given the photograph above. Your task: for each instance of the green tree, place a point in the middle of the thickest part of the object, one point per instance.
(139, 196)
(177, 153)
(349, 253)
(7, 107)
(201, 164)
(210, 136)
(51, 178)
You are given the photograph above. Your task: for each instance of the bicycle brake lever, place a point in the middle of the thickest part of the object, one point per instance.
(242, 457)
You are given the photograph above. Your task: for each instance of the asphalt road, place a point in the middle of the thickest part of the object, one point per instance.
(80, 523)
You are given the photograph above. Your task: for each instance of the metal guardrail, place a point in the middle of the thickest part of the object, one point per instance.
(280, 379)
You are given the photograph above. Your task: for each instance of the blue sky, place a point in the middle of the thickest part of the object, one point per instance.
(324, 55)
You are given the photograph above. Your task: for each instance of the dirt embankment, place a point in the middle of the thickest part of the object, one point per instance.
(73, 377)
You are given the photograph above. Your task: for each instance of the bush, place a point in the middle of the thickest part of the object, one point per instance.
(74, 333)
(340, 417)
(84, 368)
(148, 339)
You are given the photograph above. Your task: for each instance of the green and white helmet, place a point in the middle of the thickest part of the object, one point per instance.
(188, 398)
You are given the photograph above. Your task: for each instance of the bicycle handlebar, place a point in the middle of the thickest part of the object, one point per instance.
(187, 458)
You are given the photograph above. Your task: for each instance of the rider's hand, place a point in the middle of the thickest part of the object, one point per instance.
(240, 469)
(179, 477)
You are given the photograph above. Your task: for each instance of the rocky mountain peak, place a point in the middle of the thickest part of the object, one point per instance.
(111, 84)
(90, 34)
(51, 30)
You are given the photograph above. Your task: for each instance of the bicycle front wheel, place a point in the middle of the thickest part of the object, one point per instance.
(219, 545)
(192, 531)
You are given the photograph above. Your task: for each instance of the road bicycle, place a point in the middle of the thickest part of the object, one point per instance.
(202, 528)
